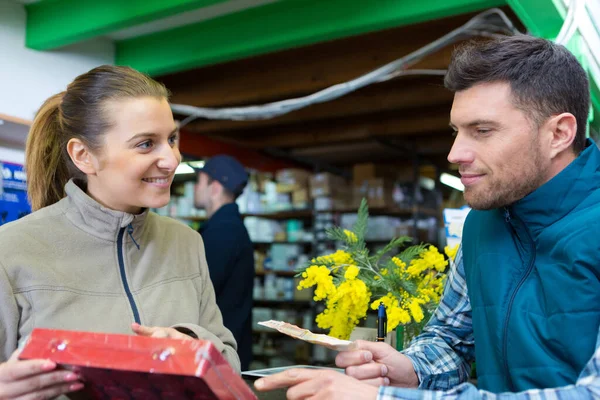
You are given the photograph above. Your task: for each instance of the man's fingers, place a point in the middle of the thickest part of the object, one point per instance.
(304, 390)
(345, 359)
(53, 391)
(378, 349)
(285, 379)
(37, 383)
(360, 351)
(367, 371)
(16, 370)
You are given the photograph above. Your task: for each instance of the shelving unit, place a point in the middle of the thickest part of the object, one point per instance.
(278, 215)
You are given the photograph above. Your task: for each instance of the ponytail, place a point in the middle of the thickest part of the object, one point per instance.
(47, 172)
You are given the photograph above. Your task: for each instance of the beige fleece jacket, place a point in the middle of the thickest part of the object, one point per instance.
(76, 265)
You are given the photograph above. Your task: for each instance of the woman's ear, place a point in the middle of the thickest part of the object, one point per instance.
(82, 157)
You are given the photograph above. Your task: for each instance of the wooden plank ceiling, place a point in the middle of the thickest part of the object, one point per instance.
(384, 122)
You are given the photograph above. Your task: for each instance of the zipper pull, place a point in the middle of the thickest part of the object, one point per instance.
(506, 214)
(130, 233)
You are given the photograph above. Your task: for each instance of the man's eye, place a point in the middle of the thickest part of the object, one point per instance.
(483, 131)
(173, 139)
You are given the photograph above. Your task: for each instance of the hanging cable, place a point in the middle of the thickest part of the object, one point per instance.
(483, 24)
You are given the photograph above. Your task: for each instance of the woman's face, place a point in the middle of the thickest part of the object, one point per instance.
(140, 153)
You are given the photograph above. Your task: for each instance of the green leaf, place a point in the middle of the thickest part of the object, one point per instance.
(336, 233)
(394, 243)
(360, 227)
(412, 252)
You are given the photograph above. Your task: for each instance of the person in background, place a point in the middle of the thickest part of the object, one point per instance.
(91, 256)
(229, 251)
(523, 298)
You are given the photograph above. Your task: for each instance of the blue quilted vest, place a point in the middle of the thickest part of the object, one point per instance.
(533, 276)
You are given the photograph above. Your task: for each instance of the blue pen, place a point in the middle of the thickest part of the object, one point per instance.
(381, 323)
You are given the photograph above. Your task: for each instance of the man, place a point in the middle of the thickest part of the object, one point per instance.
(523, 298)
(229, 251)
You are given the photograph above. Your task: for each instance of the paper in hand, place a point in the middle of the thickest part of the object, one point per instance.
(306, 335)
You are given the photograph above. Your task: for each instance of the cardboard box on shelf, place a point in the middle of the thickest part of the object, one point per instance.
(379, 193)
(365, 171)
(291, 179)
(300, 198)
(324, 184)
(258, 180)
(343, 198)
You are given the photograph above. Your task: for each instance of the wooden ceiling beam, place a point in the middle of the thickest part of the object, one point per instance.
(396, 95)
(423, 145)
(305, 70)
(390, 124)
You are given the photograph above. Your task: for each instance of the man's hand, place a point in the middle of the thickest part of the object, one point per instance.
(378, 363)
(317, 384)
(34, 379)
(158, 332)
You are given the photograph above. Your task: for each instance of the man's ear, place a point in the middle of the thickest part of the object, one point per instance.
(82, 157)
(215, 188)
(563, 130)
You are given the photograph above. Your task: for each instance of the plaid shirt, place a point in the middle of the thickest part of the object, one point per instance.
(442, 355)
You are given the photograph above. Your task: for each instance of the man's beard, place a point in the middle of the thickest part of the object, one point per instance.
(513, 188)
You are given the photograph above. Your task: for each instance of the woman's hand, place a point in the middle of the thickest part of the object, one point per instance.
(35, 379)
(158, 332)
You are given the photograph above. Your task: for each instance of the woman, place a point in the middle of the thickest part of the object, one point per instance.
(91, 257)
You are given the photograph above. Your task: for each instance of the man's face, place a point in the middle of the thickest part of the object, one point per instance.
(202, 198)
(496, 147)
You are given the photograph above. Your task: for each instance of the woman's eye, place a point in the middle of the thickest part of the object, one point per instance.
(145, 145)
(483, 131)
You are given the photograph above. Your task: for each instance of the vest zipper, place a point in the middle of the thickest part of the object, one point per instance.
(512, 298)
(134, 309)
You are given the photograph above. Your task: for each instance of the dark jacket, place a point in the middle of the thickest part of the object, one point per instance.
(533, 274)
(230, 256)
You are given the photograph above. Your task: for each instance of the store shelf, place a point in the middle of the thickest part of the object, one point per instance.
(392, 212)
(277, 273)
(282, 242)
(280, 215)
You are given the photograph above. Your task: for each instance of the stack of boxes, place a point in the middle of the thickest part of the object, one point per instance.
(293, 183)
(330, 192)
(384, 186)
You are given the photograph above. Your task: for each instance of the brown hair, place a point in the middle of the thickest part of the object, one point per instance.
(545, 78)
(79, 112)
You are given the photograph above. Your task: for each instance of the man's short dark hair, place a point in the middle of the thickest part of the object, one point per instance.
(545, 78)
